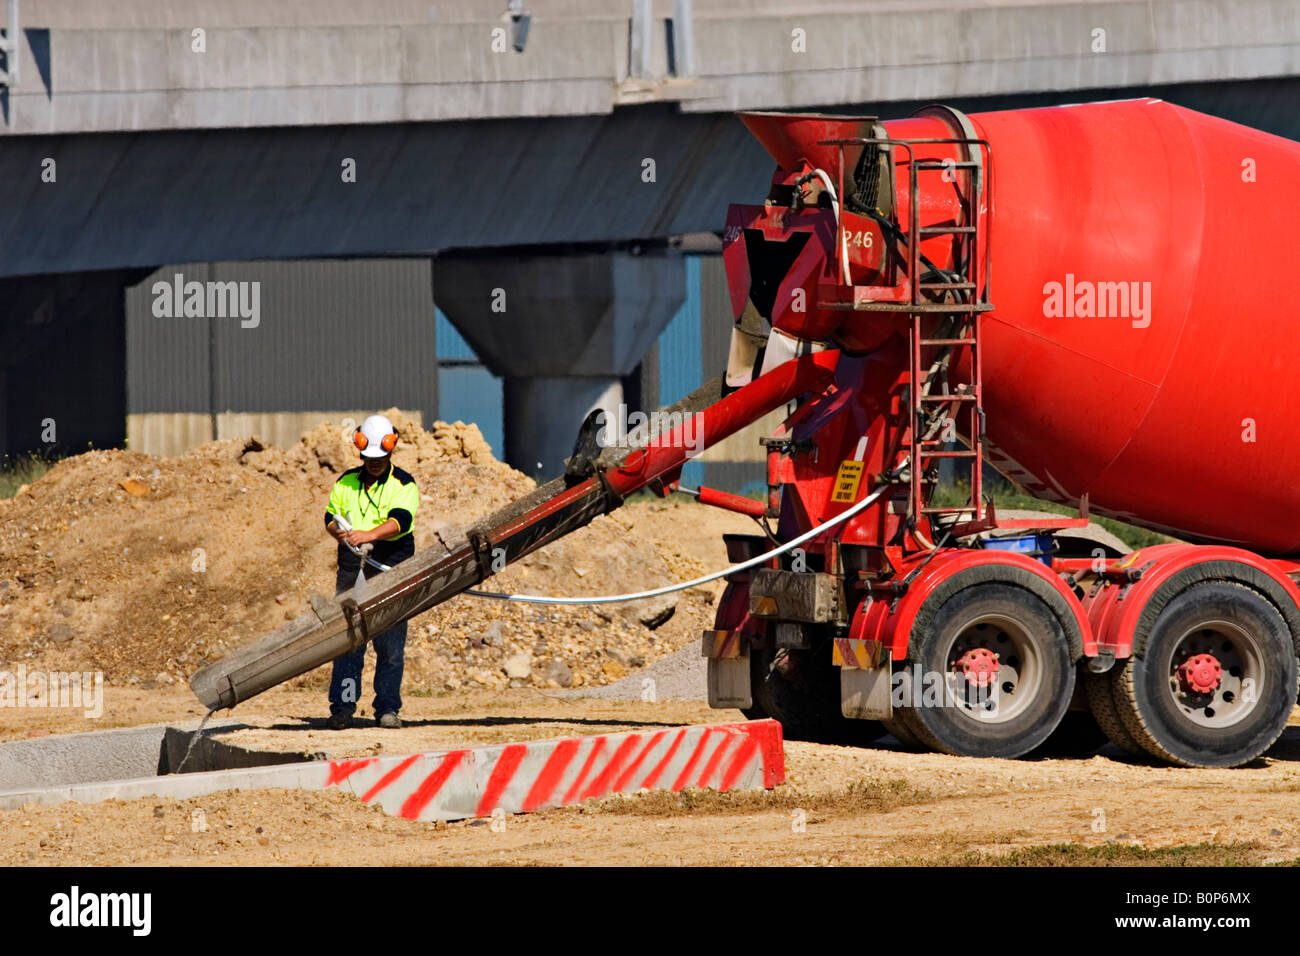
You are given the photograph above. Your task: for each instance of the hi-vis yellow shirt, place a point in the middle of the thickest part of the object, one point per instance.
(394, 495)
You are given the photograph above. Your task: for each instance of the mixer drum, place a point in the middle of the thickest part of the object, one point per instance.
(1143, 341)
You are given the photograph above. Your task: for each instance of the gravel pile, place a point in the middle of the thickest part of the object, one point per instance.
(682, 675)
(147, 567)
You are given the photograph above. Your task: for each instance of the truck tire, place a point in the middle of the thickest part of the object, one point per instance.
(1211, 682)
(801, 690)
(1101, 699)
(1077, 735)
(1027, 695)
(903, 735)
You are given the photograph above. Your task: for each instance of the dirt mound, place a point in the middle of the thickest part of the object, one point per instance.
(146, 568)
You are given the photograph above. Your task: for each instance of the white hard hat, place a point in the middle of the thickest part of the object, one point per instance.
(376, 437)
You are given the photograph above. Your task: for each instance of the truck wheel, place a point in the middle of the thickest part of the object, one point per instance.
(1101, 698)
(1212, 681)
(1077, 735)
(801, 689)
(903, 735)
(990, 672)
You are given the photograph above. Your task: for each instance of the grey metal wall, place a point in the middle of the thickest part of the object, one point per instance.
(330, 334)
(61, 358)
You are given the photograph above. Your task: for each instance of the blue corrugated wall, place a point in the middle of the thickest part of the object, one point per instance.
(467, 391)
(679, 357)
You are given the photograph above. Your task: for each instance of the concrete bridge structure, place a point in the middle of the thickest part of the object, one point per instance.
(512, 145)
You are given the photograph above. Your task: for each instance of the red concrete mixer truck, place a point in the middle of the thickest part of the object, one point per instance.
(1129, 354)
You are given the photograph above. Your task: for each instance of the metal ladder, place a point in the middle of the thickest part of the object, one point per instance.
(929, 319)
(932, 327)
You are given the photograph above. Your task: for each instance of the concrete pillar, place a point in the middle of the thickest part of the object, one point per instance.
(562, 330)
(540, 415)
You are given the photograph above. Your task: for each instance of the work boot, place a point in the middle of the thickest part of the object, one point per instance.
(339, 721)
(391, 721)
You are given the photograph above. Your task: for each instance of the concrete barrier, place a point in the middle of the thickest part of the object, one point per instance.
(103, 755)
(474, 782)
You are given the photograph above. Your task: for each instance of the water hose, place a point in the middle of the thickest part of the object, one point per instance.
(704, 579)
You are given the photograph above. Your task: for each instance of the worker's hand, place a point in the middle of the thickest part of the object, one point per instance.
(357, 538)
(335, 531)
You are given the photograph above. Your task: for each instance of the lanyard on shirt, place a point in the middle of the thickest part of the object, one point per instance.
(366, 492)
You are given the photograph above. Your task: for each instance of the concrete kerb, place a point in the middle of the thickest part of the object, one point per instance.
(475, 782)
(121, 753)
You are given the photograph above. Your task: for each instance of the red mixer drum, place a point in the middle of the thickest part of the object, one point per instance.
(1144, 339)
(1144, 333)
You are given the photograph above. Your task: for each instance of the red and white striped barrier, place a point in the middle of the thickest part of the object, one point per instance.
(518, 778)
(515, 778)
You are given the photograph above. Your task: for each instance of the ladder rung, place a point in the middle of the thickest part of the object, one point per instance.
(954, 164)
(946, 285)
(946, 398)
(945, 230)
(946, 511)
(947, 341)
(962, 453)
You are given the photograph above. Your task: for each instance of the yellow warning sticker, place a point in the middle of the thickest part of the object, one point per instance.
(847, 480)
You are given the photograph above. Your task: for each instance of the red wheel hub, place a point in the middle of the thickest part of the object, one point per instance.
(1200, 673)
(979, 666)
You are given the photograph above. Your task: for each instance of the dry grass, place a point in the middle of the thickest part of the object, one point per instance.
(859, 796)
(1120, 854)
(16, 472)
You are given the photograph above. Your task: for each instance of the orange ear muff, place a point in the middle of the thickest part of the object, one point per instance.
(388, 442)
(360, 440)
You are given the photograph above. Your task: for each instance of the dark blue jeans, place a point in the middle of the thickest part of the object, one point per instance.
(390, 658)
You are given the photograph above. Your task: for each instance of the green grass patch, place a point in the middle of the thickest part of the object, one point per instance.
(859, 796)
(1118, 854)
(428, 692)
(16, 472)
(1006, 495)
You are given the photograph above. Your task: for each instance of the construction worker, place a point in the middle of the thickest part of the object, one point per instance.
(379, 502)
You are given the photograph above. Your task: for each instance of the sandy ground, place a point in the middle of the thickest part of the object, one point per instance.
(839, 805)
